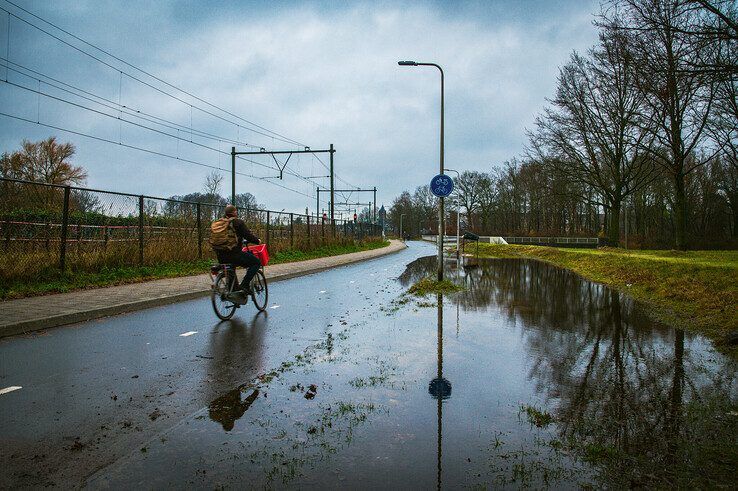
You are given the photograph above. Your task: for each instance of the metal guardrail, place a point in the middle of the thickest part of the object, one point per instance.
(578, 241)
(552, 240)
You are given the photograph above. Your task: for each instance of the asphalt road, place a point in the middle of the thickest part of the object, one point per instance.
(92, 393)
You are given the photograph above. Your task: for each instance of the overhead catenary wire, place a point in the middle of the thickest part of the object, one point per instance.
(161, 132)
(269, 133)
(122, 109)
(141, 149)
(286, 139)
(137, 79)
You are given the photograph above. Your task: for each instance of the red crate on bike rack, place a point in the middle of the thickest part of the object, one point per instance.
(260, 251)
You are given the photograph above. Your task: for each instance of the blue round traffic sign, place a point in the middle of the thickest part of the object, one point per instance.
(441, 185)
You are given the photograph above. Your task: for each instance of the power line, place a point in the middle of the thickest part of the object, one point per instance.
(202, 134)
(284, 138)
(141, 149)
(142, 81)
(177, 137)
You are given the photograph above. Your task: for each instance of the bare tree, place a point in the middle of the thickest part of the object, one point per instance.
(468, 191)
(44, 161)
(679, 99)
(594, 134)
(212, 183)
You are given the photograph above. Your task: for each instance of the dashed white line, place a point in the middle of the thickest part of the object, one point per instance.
(322, 291)
(274, 307)
(10, 389)
(188, 333)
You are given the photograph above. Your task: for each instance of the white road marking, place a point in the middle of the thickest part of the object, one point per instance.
(188, 333)
(322, 291)
(10, 389)
(352, 282)
(274, 307)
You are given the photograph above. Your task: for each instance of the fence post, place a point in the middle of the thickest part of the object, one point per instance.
(7, 233)
(199, 233)
(322, 229)
(267, 227)
(333, 227)
(65, 225)
(140, 230)
(292, 232)
(308, 228)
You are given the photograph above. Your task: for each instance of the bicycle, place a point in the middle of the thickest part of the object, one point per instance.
(225, 301)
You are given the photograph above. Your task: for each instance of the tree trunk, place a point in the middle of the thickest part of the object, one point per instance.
(613, 232)
(680, 213)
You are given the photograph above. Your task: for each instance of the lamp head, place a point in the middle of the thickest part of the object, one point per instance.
(407, 63)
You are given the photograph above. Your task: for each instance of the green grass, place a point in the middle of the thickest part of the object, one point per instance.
(426, 286)
(693, 290)
(292, 255)
(55, 282)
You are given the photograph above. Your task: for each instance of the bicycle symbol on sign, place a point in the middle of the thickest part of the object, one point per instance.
(441, 185)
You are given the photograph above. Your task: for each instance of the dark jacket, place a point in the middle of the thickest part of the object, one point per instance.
(243, 233)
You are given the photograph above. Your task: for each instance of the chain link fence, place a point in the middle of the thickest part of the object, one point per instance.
(47, 227)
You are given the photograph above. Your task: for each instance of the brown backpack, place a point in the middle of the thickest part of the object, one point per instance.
(222, 235)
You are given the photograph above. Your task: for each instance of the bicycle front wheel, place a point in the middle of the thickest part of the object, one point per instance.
(260, 291)
(223, 307)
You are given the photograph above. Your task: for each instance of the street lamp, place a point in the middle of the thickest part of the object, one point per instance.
(458, 215)
(440, 199)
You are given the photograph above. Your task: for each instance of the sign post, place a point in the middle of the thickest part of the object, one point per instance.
(441, 186)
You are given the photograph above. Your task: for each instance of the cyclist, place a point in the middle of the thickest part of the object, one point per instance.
(226, 237)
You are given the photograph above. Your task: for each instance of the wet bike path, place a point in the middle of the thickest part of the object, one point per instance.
(36, 313)
(94, 392)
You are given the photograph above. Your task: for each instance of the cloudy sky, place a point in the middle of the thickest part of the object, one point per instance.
(314, 72)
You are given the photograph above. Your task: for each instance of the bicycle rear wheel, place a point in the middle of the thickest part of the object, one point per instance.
(223, 307)
(260, 291)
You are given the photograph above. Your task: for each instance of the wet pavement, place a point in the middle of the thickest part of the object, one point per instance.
(530, 377)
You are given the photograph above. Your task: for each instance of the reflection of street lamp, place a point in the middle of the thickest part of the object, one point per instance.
(440, 388)
(440, 199)
(458, 215)
(402, 237)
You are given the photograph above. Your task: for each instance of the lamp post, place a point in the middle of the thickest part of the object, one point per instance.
(402, 237)
(458, 215)
(440, 199)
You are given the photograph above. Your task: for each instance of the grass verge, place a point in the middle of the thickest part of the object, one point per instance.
(55, 282)
(694, 290)
(426, 286)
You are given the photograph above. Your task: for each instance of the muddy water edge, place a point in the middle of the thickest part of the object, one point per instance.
(530, 376)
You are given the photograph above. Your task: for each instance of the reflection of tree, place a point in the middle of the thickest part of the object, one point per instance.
(620, 380)
(629, 394)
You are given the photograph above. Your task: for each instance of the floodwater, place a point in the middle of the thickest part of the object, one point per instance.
(530, 377)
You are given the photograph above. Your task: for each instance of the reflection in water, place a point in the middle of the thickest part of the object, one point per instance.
(628, 394)
(233, 342)
(229, 407)
(440, 388)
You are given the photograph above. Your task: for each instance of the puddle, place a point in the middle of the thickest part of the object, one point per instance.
(530, 377)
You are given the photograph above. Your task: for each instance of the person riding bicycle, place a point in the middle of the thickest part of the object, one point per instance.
(226, 236)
